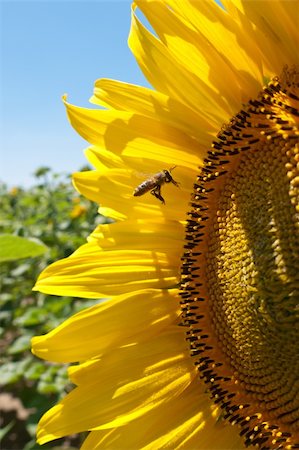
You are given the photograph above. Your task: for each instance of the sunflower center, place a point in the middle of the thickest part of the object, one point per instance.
(240, 279)
(252, 268)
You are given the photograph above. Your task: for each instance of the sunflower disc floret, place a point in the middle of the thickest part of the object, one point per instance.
(240, 285)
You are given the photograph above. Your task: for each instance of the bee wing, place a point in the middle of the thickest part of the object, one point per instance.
(142, 175)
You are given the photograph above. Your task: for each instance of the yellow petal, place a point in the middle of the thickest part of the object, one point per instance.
(188, 422)
(156, 371)
(95, 330)
(113, 188)
(138, 99)
(159, 67)
(275, 30)
(140, 233)
(102, 159)
(238, 54)
(191, 50)
(130, 134)
(85, 274)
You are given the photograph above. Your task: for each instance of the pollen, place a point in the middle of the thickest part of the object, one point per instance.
(240, 283)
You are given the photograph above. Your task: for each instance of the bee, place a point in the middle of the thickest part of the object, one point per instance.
(154, 183)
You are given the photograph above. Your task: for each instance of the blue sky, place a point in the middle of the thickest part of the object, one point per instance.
(49, 48)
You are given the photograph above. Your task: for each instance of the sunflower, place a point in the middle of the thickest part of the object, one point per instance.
(196, 344)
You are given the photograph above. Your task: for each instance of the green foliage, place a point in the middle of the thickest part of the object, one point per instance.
(16, 247)
(54, 215)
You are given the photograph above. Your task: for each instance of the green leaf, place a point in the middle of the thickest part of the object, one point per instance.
(12, 372)
(6, 429)
(32, 316)
(21, 344)
(41, 171)
(35, 370)
(15, 247)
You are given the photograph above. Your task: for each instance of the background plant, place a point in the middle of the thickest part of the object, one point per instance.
(52, 213)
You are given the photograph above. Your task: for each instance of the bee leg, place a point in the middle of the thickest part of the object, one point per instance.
(157, 193)
(176, 183)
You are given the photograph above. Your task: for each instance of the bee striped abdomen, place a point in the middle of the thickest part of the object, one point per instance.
(142, 188)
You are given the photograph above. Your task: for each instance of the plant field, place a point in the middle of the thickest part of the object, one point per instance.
(53, 214)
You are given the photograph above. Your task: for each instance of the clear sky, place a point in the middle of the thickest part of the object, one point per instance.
(49, 48)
